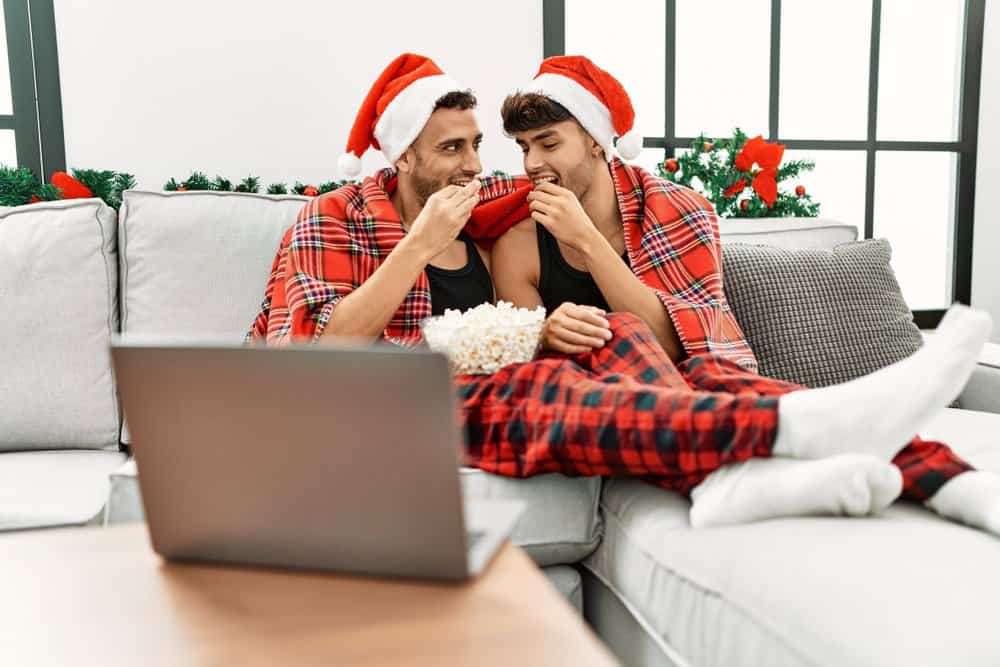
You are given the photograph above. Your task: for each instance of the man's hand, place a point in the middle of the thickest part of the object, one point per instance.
(560, 212)
(572, 329)
(443, 217)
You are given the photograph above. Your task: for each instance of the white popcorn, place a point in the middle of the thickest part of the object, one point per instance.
(484, 339)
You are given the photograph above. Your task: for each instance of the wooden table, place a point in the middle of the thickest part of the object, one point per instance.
(101, 596)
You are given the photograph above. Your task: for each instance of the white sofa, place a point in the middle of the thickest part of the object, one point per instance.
(803, 591)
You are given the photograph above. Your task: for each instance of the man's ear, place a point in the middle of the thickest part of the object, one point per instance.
(404, 164)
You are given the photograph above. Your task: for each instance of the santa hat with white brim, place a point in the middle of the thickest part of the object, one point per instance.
(595, 98)
(395, 110)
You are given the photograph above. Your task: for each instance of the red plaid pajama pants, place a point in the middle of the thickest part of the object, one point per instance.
(627, 409)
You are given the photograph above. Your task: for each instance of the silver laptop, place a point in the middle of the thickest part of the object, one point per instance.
(323, 457)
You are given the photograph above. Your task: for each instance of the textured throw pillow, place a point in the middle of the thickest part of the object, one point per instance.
(819, 317)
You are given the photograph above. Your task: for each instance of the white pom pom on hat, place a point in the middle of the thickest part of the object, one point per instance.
(594, 97)
(348, 165)
(629, 144)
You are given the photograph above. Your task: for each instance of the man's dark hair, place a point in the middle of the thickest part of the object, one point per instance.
(456, 99)
(530, 111)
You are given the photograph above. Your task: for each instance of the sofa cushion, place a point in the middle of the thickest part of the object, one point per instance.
(196, 263)
(59, 290)
(54, 488)
(818, 317)
(560, 523)
(906, 587)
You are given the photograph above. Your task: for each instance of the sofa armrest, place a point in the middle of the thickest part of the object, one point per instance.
(983, 389)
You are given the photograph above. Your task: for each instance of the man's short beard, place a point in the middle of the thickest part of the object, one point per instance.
(424, 187)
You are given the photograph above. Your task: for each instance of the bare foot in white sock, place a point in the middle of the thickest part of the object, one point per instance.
(759, 489)
(972, 498)
(881, 412)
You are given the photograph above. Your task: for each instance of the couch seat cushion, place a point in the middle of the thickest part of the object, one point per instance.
(54, 488)
(903, 588)
(560, 524)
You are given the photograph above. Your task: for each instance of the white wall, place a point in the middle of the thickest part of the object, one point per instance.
(159, 89)
(986, 244)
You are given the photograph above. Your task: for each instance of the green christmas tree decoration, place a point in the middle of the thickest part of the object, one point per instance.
(249, 184)
(197, 181)
(122, 182)
(17, 185)
(220, 184)
(47, 192)
(277, 189)
(105, 184)
(710, 169)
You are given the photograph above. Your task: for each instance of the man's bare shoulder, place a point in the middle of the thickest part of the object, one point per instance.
(515, 255)
(518, 238)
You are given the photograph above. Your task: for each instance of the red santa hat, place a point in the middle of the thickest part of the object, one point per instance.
(594, 97)
(395, 110)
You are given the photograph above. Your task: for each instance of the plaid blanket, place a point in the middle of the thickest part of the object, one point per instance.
(341, 238)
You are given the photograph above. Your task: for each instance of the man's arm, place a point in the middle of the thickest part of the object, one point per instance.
(515, 266)
(624, 292)
(365, 312)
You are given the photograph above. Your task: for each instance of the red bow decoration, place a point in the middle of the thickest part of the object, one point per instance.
(767, 157)
(68, 186)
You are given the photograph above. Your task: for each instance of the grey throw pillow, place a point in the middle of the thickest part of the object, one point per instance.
(819, 317)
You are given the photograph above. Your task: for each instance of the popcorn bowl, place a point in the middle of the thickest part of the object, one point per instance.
(486, 338)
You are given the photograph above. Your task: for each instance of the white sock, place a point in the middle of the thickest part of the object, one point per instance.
(760, 488)
(880, 413)
(972, 498)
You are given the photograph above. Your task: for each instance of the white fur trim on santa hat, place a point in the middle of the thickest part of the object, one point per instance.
(590, 111)
(406, 115)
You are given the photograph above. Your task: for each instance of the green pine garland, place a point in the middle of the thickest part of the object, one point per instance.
(709, 168)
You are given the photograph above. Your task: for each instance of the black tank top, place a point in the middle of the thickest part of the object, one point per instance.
(462, 288)
(559, 282)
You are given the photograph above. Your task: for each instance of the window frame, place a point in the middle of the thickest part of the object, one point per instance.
(33, 60)
(965, 148)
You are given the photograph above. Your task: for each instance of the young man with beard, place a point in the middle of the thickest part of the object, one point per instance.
(605, 236)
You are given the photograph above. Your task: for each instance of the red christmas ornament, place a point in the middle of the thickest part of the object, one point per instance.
(670, 165)
(745, 205)
(310, 191)
(800, 190)
(181, 188)
(708, 146)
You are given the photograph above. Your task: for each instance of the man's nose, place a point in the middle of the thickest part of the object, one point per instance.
(471, 163)
(532, 162)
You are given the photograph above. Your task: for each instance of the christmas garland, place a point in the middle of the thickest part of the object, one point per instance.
(19, 185)
(740, 177)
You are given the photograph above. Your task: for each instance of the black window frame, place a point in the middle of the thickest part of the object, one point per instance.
(965, 148)
(33, 60)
